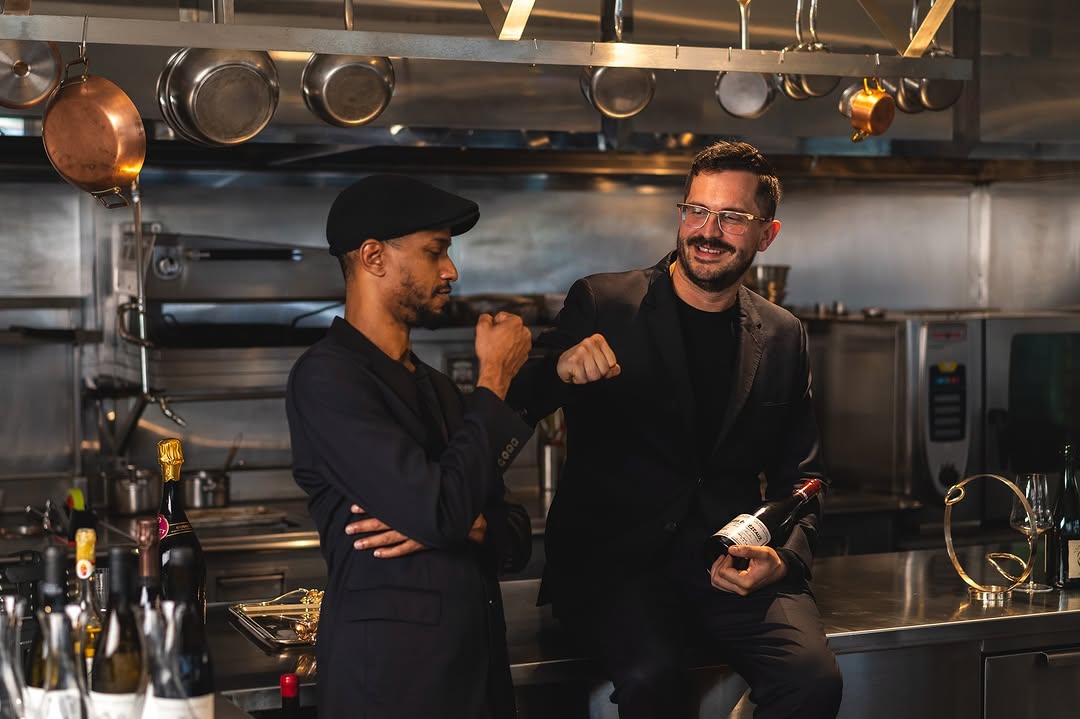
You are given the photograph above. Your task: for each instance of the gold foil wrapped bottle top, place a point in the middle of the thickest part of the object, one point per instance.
(170, 457)
(85, 546)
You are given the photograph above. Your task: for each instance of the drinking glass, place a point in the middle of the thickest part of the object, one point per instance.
(1034, 486)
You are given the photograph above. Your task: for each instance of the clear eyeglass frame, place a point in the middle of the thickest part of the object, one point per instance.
(730, 222)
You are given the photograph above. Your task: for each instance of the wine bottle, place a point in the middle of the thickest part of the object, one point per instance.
(12, 684)
(183, 684)
(174, 529)
(148, 592)
(88, 617)
(758, 529)
(52, 599)
(290, 696)
(63, 670)
(118, 679)
(1066, 565)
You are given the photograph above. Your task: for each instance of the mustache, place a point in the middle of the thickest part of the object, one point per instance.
(710, 242)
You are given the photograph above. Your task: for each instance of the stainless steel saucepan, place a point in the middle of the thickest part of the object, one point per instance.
(746, 94)
(917, 94)
(29, 69)
(218, 97)
(347, 90)
(817, 85)
(618, 92)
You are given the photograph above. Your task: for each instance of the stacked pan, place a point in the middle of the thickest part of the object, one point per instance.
(218, 97)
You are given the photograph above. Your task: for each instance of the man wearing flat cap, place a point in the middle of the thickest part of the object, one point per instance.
(411, 625)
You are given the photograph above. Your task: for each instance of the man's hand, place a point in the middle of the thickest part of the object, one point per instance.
(502, 346)
(479, 529)
(764, 569)
(590, 360)
(387, 543)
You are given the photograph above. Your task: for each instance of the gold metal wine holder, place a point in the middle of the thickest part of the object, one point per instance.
(992, 593)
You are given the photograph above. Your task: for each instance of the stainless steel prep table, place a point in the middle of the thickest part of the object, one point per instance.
(909, 641)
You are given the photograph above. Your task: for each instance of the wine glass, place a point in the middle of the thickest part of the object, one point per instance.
(1034, 487)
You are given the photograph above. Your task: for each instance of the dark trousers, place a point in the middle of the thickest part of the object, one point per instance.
(646, 630)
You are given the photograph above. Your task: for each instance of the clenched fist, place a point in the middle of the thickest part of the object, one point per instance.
(502, 346)
(590, 360)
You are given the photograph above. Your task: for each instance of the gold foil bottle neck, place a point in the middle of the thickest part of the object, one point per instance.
(170, 457)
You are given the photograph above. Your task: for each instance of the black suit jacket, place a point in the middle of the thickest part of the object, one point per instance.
(632, 482)
(423, 635)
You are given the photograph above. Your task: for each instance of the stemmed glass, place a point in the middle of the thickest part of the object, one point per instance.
(1034, 487)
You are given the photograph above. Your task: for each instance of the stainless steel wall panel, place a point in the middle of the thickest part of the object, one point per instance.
(1035, 245)
(40, 248)
(211, 428)
(901, 246)
(36, 426)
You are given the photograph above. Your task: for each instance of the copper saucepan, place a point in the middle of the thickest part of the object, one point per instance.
(869, 107)
(94, 136)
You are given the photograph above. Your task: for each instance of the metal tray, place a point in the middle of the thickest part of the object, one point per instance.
(290, 620)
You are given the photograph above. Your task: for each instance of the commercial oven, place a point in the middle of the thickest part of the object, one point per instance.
(910, 403)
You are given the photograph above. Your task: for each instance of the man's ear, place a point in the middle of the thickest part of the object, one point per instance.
(771, 230)
(371, 257)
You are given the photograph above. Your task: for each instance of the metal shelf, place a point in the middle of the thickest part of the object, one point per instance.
(157, 33)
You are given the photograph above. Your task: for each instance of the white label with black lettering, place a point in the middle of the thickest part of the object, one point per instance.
(60, 704)
(190, 708)
(113, 706)
(34, 695)
(746, 529)
(1073, 562)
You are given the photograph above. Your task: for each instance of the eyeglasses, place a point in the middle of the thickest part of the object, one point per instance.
(730, 222)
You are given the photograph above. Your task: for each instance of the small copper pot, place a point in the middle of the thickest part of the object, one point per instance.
(94, 136)
(869, 107)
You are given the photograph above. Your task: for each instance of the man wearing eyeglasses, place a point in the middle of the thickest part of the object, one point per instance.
(687, 401)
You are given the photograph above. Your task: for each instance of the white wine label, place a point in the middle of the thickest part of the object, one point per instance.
(61, 704)
(1072, 560)
(33, 695)
(190, 708)
(113, 706)
(746, 529)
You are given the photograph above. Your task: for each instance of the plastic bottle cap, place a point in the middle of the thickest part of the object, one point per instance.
(290, 685)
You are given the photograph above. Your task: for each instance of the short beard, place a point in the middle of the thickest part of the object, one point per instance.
(724, 279)
(428, 318)
(417, 309)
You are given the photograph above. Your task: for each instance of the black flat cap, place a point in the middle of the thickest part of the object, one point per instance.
(383, 207)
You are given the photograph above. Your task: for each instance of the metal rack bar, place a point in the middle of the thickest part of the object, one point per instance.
(119, 31)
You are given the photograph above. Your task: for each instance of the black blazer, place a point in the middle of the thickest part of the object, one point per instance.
(632, 480)
(423, 635)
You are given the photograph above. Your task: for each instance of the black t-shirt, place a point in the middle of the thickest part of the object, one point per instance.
(710, 340)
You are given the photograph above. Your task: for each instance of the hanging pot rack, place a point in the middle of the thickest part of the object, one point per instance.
(532, 51)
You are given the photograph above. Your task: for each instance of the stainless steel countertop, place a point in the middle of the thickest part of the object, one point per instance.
(868, 602)
(297, 531)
